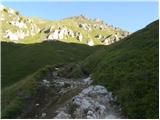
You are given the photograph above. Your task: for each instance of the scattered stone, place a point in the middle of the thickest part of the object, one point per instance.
(111, 39)
(62, 115)
(37, 104)
(43, 115)
(87, 81)
(46, 83)
(92, 103)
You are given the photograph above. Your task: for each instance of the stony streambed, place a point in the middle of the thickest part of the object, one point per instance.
(64, 98)
(93, 102)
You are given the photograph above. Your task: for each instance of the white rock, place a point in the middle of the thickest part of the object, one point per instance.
(92, 103)
(46, 83)
(82, 102)
(61, 83)
(70, 33)
(87, 80)
(91, 115)
(62, 115)
(11, 36)
(19, 24)
(60, 35)
(43, 115)
(90, 43)
(37, 104)
(20, 34)
(54, 35)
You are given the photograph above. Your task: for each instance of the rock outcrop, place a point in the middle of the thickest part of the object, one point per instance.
(93, 102)
(90, 43)
(63, 33)
(78, 29)
(16, 27)
(85, 26)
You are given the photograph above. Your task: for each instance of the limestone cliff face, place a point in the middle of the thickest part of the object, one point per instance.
(16, 27)
(78, 29)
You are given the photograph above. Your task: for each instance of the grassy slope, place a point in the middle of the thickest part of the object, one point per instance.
(19, 60)
(129, 68)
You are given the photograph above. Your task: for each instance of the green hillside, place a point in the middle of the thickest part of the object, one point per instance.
(129, 68)
(19, 60)
(33, 50)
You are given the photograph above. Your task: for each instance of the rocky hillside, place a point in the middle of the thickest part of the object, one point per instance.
(79, 29)
(52, 79)
(16, 27)
(117, 81)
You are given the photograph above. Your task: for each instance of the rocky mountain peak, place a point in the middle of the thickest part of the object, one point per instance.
(77, 29)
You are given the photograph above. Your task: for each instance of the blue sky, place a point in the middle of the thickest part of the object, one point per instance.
(130, 16)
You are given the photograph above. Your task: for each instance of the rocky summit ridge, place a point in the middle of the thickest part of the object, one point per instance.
(78, 29)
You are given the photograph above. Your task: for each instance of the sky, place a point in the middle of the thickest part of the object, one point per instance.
(130, 16)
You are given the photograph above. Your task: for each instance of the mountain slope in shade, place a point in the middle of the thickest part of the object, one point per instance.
(130, 69)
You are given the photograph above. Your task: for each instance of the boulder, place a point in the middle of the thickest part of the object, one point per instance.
(21, 34)
(45, 83)
(54, 35)
(10, 35)
(111, 39)
(91, 103)
(61, 33)
(90, 43)
(43, 115)
(87, 81)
